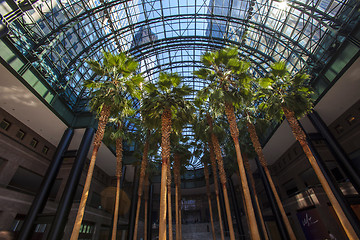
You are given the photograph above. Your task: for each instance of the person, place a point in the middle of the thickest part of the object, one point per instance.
(6, 235)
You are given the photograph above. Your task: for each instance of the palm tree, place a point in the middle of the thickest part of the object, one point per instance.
(250, 114)
(222, 174)
(258, 149)
(107, 94)
(252, 182)
(165, 100)
(145, 131)
(208, 193)
(228, 77)
(143, 167)
(181, 154)
(201, 131)
(146, 200)
(247, 150)
(119, 132)
(200, 152)
(151, 171)
(177, 180)
(168, 186)
(290, 95)
(216, 184)
(179, 207)
(180, 164)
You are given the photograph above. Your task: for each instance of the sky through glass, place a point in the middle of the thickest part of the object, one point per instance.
(57, 36)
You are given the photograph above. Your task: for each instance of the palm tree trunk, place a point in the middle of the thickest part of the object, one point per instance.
(180, 223)
(146, 199)
(145, 216)
(206, 173)
(229, 111)
(180, 220)
(137, 217)
(176, 180)
(141, 183)
(176, 212)
(242, 197)
(104, 117)
(165, 156)
(213, 166)
(257, 146)
(301, 138)
(222, 175)
(252, 182)
(119, 150)
(169, 201)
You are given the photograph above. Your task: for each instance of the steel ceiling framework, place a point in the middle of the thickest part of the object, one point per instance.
(57, 36)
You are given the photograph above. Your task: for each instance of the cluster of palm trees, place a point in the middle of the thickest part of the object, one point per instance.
(232, 98)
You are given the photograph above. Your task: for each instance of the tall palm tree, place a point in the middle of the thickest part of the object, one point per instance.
(247, 149)
(168, 185)
(181, 154)
(216, 184)
(249, 114)
(165, 100)
(151, 170)
(118, 80)
(228, 80)
(200, 152)
(143, 167)
(147, 136)
(208, 193)
(202, 133)
(252, 182)
(119, 132)
(146, 202)
(179, 150)
(181, 163)
(222, 175)
(177, 180)
(258, 149)
(179, 207)
(290, 95)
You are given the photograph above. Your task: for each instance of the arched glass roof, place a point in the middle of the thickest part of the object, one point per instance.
(170, 35)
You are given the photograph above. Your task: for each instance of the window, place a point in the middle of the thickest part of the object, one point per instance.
(40, 228)
(34, 143)
(25, 181)
(86, 230)
(45, 150)
(17, 223)
(20, 134)
(5, 124)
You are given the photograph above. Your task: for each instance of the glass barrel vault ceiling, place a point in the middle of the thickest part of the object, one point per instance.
(57, 36)
(170, 35)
